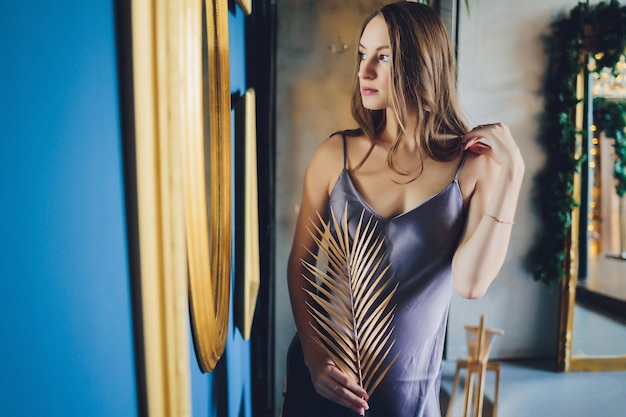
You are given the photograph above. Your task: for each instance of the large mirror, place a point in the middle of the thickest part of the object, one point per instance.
(591, 107)
(600, 302)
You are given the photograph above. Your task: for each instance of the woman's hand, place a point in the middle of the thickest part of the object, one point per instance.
(331, 383)
(494, 140)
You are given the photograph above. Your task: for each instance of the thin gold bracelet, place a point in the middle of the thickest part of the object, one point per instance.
(498, 220)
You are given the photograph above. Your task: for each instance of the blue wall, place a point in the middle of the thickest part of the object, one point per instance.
(66, 345)
(65, 318)
(226, 392)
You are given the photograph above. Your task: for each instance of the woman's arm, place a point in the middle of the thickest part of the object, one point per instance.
(328, 380)
(485, 239)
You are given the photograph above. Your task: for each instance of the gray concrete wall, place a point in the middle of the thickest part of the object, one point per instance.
(314, 83)
(501, 70)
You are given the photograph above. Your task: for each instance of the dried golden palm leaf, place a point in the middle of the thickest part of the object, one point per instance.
(351, 296)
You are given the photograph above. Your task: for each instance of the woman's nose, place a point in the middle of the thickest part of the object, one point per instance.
(365, 70)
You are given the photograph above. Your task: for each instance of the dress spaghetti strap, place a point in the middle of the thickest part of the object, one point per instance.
(458, 169)
(345, 150)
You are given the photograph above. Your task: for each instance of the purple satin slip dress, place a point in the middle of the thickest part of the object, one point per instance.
(420, 244)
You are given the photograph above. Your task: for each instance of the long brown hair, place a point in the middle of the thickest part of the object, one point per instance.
(423, 82)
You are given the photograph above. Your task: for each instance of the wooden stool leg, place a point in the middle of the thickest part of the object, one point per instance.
(455, 385)
(480, 392)
(497, 389)
(469, 386)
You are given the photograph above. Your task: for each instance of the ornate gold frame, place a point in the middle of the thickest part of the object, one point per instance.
(160, 51)
(568, 285)
(565, 361)
(209, 239)
(178, 272)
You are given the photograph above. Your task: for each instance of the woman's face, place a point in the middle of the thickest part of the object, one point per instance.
(374, 68)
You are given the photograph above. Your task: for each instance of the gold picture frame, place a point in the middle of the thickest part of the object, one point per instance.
(247, 279)
(160, 52)
(246, 6)
(177, 277)
(208, 204)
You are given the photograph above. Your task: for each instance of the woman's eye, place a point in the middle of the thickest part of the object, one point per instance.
(384, 58)
(362, 56)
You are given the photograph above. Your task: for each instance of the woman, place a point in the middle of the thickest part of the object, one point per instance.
(443, 195)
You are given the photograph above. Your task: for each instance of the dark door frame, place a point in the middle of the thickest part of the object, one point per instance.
(260, 28)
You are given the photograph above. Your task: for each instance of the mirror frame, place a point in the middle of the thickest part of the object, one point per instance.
(157, 120)
(209, 240)
(169, 259)
(566, 361)
(588, 40)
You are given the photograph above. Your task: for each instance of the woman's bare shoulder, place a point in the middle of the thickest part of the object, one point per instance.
(482, 164)
(477, 169)
(327, 162)
(328, 154)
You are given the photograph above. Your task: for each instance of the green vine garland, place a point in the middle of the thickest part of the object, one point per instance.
(610, 118)
(587, 28)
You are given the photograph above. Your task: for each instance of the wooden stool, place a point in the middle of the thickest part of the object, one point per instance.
(479, 342)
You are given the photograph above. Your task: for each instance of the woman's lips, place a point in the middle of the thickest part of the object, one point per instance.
(366, 91)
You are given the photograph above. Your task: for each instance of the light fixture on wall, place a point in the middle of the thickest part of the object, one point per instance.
(338, 47)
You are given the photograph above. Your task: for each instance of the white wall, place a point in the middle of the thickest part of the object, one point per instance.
(502, 64)
(501, 71)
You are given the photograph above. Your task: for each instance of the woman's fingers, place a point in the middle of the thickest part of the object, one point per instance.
(343, 396)
(501, 145)
(333, 384)
(480, 149)
(348, 383)
(473, 144)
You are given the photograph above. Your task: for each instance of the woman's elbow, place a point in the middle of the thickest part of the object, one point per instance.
(471, 287)
(471, 292)
(472, 283)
